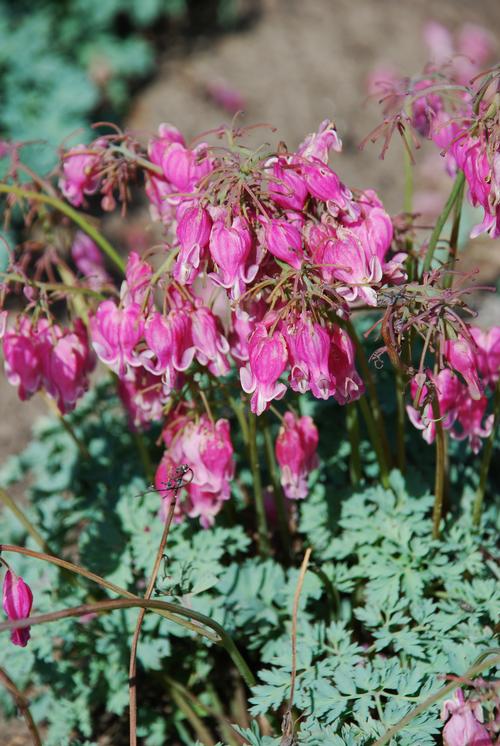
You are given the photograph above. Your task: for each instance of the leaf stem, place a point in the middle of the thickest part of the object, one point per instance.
(73, 215)
(279, 497)
(375, 439)
(23, 519)
(438, 228)
(262, 529)
(486, 461)
(23, 705)
(352, 424)
(440, 477)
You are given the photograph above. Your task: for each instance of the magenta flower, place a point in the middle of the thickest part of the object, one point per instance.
(284, 240)
(460, 354)
(80, 175)
(115, 332)
(267, 360)
(211, 346)
(447, 387)
(318, 144)
(193, 231)
(296, 447)
(66, 362)
(22, 359)
(143, 395)
(323, 183)
(136, 287)
(464, 726)
(169, 345)
(287, 187)
(309, 350)
(229, 248)
(348, 384)
(89, 260)
(488, 353)
(17, 603)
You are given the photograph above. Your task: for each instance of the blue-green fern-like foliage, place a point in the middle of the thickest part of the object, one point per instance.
(384, 613)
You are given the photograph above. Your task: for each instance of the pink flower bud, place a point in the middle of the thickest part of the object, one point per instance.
(17, 603)
(267, 361)
(287, 187)
(322, 182)
(465, 725)
(80, 175)
(284, 241)
(296, 454)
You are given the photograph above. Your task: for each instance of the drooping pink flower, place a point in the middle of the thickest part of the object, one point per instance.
(183, 167)
(318, 144)
(464, 726)
(284, 240)
(267, 360)
(461, 357)
(193, 231)
(207, 449)
(447, 388)
(135, 289)
(115, 332)
(89, 260)
(468, 423)
(296, 447)
(17, 603)
(287, 186)
(66, 362)
(487, 353)
(80, 174)
(348, 384)
(22, 358)
(169, 345)
(211, 346)
(144, 396)
(309, 351)
(323, 183)
(230, 247)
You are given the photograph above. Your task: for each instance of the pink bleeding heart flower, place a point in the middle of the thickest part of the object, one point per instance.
(17, 603)
(66, 362)
(287, 187)
(89, 260)
(22, 358)
(296, 447)
(267, 360)
(183, 167)
(469, 414)
(464, 726)
(461, 357)
(348, 384)
(80, 174)
(135, 289)
(284, 240)
(309, 350)
(346, 258)
(318, 144)
(115, 332)
(167, 134)
(143, 395)
(169, 345)
(159, 194)
(229, 248)
(488, 353)
(193, 231)
(211, 346)
(447, 389)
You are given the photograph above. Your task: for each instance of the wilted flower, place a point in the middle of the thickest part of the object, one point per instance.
(17, 603)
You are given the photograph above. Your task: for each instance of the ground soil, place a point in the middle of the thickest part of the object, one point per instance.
(300, 62)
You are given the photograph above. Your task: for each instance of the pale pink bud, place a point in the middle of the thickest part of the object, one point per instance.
(17, 603)
(80, 175)
(439, 42)
(318, 144)
(267, 361)
(284, 241)
(89, 260)
(465, 726)
(296, 447)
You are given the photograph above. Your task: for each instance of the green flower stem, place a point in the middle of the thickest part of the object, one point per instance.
(440, 478)
(374, 434)
(400, 420)
(22, 705)
(262, 530)
(170, 611)
(455, 232)
(202, 733)
(372, 391)
(73, 215)
(352, 423)
(23, 519)
(438, 228)
(486, 461)
(434, 698)
(279, 497)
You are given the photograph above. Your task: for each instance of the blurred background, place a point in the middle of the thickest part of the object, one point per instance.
(291, 63)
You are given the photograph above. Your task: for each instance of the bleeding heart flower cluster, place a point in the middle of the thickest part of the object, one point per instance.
(472, 366)
(42, 355)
